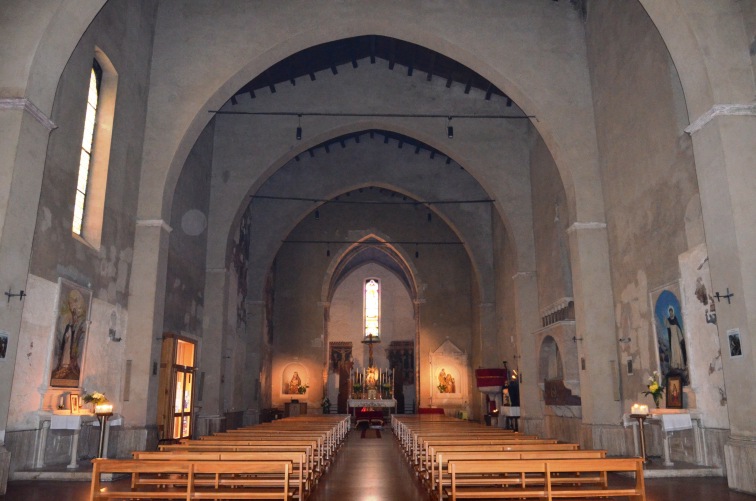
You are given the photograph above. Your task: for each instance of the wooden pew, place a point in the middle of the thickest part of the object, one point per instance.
(178, 479)
(435, 448)
(440, 478)
(300, 476)
(541, 479)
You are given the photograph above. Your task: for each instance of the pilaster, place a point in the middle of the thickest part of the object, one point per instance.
(145, 328)
(725, 157)
(525, 292)
(594, 324)
(23, 148)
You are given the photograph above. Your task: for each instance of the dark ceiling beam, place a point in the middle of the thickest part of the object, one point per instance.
(432, 67)
(411, 62)
(489, 90)
(449, 81)
(468, 85)
(392, 53)
(372, 49)
(271, 86)
(354, 53)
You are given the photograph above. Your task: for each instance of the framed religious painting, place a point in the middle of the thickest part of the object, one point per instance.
(674, 392)
(70, 334)
(75, 403)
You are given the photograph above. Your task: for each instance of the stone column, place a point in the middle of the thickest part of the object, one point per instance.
(725, 152)
(213, 339)
(527, 321)
(594, 327)
(145, 330)
(256, 342)
(23, 148)
(490, 355)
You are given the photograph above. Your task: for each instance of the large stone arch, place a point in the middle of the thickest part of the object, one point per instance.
(571, 141)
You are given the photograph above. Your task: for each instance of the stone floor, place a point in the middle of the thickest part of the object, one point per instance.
(374, 469)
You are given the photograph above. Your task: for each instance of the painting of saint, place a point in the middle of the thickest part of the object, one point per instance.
(673, 357)
(70, 335)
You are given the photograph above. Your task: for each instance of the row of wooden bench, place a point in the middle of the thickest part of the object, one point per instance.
(279, 460)
(460, 460)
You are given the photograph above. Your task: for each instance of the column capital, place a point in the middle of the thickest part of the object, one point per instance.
(579, 226)
(699, 123)
(524, 275)
(21, 103)
(154, 223)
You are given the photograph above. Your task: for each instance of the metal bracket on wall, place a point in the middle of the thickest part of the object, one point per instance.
(20, 295)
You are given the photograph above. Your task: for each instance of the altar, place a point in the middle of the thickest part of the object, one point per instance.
(671, 420)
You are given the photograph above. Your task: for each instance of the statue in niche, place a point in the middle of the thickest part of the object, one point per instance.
(294, 384)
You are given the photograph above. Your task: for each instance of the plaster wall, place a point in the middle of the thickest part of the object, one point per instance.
(184, 297)
(647, 168)
(123, 31)
(550, 223)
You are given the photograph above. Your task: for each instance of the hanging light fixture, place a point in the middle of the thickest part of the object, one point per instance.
(449, 128)
(299, 127)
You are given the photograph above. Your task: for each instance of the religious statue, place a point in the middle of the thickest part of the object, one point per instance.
(294, 383)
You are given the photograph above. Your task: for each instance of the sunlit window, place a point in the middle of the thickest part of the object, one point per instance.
(87, 142)
(372, 308)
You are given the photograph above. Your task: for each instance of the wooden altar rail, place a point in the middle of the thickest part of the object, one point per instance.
(535, 479)
(439, 478)
(300, 478)
(190, 480)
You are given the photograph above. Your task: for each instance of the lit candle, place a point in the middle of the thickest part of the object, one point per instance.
(644, 409)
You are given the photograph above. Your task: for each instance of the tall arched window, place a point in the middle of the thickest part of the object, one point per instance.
(87, 144)
(372, 291)
(95, 151)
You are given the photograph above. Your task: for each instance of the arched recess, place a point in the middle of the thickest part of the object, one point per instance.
(378, 250)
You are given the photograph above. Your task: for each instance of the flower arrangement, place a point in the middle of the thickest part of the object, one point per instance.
(95, 398)
(655, 388)
(326, 404)
(302, 389)
(441, 388)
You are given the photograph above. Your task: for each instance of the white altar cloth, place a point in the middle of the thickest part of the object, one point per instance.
(675, 422)
(366, 402)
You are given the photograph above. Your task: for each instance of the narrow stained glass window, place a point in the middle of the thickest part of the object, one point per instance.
(87, 143)
(372, 308)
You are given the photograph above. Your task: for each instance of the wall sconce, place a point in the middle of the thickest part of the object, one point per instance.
(299, 127)
(449, 128)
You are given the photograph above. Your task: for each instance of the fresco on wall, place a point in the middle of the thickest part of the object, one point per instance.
(70, 334)
(241, 265)
(670, 333)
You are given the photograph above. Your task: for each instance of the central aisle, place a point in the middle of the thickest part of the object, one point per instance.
(369, 469)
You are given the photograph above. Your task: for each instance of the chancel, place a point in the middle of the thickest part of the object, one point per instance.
(269, 221)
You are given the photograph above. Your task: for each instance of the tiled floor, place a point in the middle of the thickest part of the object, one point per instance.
(374, 469)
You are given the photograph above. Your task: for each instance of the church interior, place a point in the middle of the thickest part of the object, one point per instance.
(219, 213)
